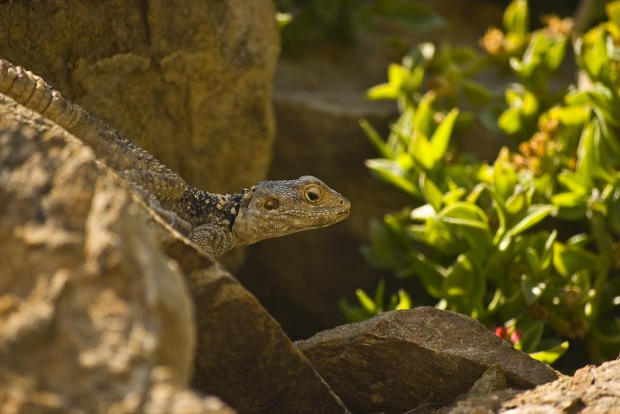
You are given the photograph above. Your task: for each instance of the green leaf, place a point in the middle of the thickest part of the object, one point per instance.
(531, 289)
(453, 196)
(475, 92)
(549, 356)
(570, 206)
(531, 337)
(572, 116)
(574, 182)
(463, 286)
(465, 214)
(385, 249)
(568, 260)
(383, 91)
(510, 121)
(533, 261)
(555, 53)
(535, 215)
(379, 295)
(375, 139)
(591, 163)
(392, 173)
(516, 17)
(612, 9)
(547, 255)
(404, 301)
(441, 138)
(283, 19)
(431, 275)
(353, 314)
(614, 213)
(423, 212)
(423, 118)
(504, 178)
(432, 194)
(469, 222)
(422, 151)
(365, 301)
(597, 59)
(517, 203)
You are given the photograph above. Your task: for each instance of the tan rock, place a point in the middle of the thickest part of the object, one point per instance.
(127, 319)
(189, 81)
(92, 317)
(593, 389)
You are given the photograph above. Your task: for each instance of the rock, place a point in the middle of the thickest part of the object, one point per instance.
(93, 318)
(189, 81)
(493, 379)
(243, 356)
(400, 360)
(591, 390)
(134, 292)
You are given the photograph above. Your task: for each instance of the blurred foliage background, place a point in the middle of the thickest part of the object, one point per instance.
(526, 244)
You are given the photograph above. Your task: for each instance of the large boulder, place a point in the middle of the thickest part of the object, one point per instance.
(189, 81)
(94, 318)
(401, 360)
(97, 304)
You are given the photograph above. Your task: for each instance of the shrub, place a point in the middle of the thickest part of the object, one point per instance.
(528, 244)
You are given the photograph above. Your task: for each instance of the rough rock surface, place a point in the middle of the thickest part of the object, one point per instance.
(319, 98)
(93, 244)
(243, 356)
(401, 360)
(92, 317)
(591, 390)
(189, 81)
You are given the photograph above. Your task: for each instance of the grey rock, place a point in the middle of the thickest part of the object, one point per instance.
(242, 354)
(400, 360)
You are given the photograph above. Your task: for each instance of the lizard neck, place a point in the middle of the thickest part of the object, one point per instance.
(199, 207)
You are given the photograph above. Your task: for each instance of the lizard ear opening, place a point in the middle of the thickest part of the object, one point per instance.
(271, 204)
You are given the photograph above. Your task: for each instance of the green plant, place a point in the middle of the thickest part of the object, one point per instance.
(529, 243)
(307, 21)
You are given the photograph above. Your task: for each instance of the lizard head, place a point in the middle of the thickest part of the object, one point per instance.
(277, 208)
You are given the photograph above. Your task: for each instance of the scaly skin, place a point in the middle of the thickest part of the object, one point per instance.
(216, 222)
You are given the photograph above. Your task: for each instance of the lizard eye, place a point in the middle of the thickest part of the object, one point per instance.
(313, 194)
(272, 204)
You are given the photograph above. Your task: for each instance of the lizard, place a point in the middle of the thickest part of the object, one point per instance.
(215, 222)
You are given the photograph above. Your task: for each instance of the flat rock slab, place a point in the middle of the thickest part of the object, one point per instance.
(401, 360)
(591, 390)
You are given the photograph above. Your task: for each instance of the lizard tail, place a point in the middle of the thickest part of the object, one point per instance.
(120, 153)
(31, 91)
